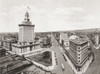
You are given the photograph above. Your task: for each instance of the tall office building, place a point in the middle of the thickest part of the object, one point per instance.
(26, 30)
(26, 37)
(79, 52)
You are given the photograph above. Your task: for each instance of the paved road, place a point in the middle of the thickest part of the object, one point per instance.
(60, 59)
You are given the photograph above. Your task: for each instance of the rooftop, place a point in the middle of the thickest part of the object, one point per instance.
(79, 41)
(27, 21)
(73, 37)
(8, 40)
(12, 63)
(21, 46)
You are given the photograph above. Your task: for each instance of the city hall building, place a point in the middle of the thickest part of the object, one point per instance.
(26, 37)
(79, 51)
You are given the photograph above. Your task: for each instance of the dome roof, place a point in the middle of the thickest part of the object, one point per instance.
(73, 37)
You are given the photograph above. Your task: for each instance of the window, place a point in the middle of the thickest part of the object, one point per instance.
(78, 54)
(78, 50)
(78, 57)
(78, 47)
(79, 61)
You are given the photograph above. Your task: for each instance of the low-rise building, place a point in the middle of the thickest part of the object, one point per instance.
(64, 40)
(22, 48)
(2, 52)
(11, 64)
(7, 43)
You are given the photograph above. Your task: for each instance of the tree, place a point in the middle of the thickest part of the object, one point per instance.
(46, 55)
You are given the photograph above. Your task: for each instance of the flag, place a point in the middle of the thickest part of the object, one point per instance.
(28, 8)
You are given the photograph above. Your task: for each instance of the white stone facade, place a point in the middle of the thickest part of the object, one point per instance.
(26, 33)
(64, 39)
(20, 49)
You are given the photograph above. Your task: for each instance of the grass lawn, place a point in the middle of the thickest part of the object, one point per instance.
(42, 58)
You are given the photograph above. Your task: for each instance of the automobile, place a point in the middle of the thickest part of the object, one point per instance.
(64, 58)
(62, 66)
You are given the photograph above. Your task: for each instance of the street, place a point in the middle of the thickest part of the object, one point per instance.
(60, 59)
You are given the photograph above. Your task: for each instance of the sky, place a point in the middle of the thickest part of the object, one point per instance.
(50, 15)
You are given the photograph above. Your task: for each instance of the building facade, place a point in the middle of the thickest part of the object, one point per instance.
(79, 52)
(26, 37)
(2, 52)
(26, 30)
(12, 64)
(64, 40)
(19, 49)
(7, 43)
(96, 38)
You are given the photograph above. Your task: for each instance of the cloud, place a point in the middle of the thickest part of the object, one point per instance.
(89, 17)
(65, 18)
